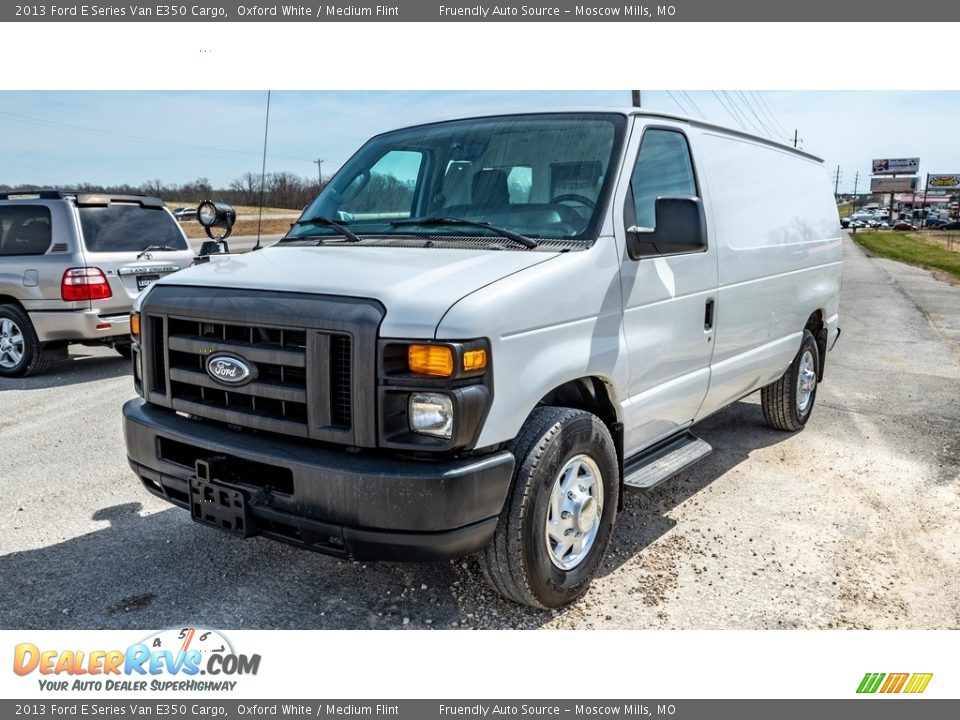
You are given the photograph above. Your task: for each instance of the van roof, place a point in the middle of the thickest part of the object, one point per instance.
(634, 111)
(725, 129)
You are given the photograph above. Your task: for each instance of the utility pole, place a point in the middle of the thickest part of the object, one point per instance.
(923, 207)
(795, 137)
(635, 98)
(319, 164)
(836, 183)
(856, 181)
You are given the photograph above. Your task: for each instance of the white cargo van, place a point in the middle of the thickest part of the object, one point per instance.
(482, 332)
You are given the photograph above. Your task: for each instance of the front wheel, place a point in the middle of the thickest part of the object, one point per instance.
(788, 402)
(556, 524)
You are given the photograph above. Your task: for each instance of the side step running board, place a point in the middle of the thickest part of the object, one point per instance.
(665, 460)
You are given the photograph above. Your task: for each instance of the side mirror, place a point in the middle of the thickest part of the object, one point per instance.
(681, 228)
(214, 247)
(218, 216)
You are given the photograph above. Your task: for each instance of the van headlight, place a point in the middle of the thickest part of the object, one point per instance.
(431, 414)
(433, 395)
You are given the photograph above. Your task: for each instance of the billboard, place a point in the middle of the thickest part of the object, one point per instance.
(943, 182)
(896, 166)
(894, 185)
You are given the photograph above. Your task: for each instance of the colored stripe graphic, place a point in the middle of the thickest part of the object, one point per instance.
(894, 683)
(870, 682)
(918, 683)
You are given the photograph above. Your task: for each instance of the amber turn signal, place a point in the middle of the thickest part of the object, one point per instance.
(474, 360)
(135, 324)
(436, 360)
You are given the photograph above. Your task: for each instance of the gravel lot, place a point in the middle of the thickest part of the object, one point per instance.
(851, 523)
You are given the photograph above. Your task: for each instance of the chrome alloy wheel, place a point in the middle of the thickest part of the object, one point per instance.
(806, 381)
(11, 344)
(576, 507)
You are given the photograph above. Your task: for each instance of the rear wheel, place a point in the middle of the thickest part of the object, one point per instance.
(124, 350)
(788, 402)
(20, 351)
(556, 523)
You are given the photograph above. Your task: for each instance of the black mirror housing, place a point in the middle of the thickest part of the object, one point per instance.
(681, 228)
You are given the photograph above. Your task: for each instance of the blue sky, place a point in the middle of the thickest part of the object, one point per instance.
(61, 138)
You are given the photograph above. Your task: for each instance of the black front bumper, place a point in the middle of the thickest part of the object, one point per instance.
(361, 506)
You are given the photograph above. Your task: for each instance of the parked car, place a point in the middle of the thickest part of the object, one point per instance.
(950, 225)
(525, 317)
(71, 265)
(183, 214)
(903, 225)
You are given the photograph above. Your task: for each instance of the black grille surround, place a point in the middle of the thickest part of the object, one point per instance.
(314, 358)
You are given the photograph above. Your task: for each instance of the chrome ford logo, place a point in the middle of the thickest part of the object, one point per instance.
(229, 370)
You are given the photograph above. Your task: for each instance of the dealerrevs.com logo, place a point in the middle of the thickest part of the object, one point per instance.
(183, 659)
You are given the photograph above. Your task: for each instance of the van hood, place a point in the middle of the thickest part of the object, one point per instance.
(415, 285)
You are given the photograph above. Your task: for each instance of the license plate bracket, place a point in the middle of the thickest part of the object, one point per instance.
(145, 281)
(220, 506)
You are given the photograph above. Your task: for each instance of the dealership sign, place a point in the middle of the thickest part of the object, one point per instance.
(943, 182)
(896, 166)
(894, 185)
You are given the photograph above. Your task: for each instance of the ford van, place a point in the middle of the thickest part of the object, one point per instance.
(482, 333)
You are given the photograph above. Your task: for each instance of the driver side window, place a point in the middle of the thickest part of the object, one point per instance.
(387, 191)
(663, 169)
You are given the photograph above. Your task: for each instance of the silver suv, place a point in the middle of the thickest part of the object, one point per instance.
(71, 265)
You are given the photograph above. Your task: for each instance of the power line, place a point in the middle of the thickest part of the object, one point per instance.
(773, 121)
(733, 101)
(746, 100)
(775, 115)
(691, 101)
(729, 111)
(677, 103)
(123, 136)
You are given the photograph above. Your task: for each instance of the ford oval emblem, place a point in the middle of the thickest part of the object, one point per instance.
(230, 370)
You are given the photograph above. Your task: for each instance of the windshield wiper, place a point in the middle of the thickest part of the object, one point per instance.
(162, 248)
(327, 222)
(439, 220)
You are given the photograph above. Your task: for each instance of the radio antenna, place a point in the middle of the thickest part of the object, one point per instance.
(263, 171)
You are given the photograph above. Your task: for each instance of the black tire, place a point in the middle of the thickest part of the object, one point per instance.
(125, 350)
(781, 408)
(31, 361)
(517, 563)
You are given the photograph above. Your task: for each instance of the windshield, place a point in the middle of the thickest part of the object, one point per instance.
(128, 227)
(541, 176)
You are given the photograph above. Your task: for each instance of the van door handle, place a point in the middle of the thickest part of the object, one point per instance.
(708, 316)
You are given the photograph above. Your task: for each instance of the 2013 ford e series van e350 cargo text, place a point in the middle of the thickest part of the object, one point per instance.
(481, 332)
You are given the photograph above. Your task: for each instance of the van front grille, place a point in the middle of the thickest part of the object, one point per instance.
(340, 407)
(308, 358)
(277, 399)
